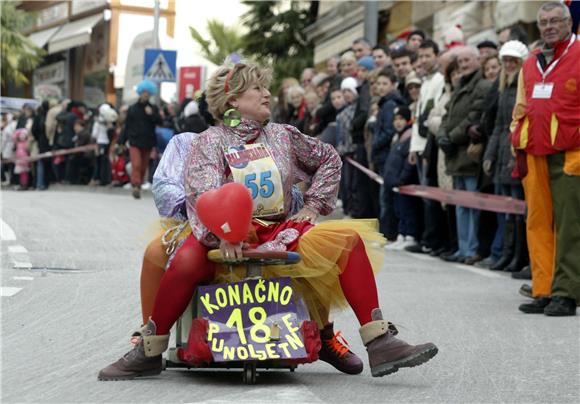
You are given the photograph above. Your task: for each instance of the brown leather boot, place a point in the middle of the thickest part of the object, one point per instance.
(386, 352)
(143, 360)
(336, 353)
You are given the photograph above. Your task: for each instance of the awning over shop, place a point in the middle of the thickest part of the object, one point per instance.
(73, 34)
(41, 38)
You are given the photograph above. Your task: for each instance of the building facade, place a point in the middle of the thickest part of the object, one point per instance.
(83, 41)
(339, 23)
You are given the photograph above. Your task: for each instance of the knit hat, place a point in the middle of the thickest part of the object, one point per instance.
(403, 111)
(417, 32)
(191, 108)
(412, 78)
(367, 62)
(349, 84)
(487, 44)
(453, 36)
(514, 48)
(147, 85)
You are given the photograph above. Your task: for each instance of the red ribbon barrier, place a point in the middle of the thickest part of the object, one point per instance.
(475, 200)
(54, 153)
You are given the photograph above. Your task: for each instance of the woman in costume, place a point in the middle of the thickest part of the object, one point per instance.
(169, 195)
(335, 268)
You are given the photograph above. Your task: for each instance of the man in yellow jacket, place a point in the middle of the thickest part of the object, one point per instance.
(546, 137)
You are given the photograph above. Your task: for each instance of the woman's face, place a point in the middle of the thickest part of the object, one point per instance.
(348, 68)
(414, 91)
(511, 64)
(491, 69)
(296, 99)
(455, 78)
(254, 103)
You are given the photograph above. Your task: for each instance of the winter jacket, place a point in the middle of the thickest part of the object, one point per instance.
(140, 127)
(463, 110)
(39, 133)
(194, 123)
(543, 126)
(361, 114)
(8, 141)
(431, 90)
(397, 170)
(384, 129)
(344, 117)
(20, 139)
(65, 130)
(499, 150)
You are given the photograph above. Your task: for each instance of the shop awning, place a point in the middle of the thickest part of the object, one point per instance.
(73, 34)
(41, 38)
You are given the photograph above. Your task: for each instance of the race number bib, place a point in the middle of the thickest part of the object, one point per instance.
(253, 166)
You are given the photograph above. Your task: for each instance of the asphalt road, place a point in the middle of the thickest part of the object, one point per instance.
(61, 324)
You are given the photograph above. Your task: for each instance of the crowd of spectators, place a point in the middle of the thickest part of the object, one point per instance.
(127, 142)
(415, 112)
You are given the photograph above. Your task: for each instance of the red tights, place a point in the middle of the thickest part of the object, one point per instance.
(190, 267)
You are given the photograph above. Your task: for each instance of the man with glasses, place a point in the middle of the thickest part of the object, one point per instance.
(546, 136)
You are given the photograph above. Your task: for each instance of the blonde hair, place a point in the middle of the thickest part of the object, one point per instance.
(311, 95)
(295, 90)
(505, 79)
(236, 80)
(348, 55)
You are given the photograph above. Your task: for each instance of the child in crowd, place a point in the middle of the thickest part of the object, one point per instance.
(22, 167)
(119, 173)
(386, 86)
(398, 172)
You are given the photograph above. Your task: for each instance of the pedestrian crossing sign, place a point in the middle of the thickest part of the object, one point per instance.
(160, 65)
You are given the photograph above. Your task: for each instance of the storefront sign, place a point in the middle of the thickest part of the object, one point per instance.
(190, 80)
(54, 73)
(252, 320)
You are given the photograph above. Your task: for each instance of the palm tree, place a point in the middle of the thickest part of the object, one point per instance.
(223, 41)
(19, 54)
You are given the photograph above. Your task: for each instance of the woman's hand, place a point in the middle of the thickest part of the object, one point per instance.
(305, 214)
(231, 252)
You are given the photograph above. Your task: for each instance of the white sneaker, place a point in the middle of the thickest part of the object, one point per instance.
(394, 245)
(146, 186)
(408, 240)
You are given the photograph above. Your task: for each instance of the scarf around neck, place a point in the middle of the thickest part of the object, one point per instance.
(248, 130)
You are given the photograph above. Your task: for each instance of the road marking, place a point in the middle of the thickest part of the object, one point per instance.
(6, 232)
(17, 249)
(9, 291)
(483, 272)
(23, 278)
(22, 265)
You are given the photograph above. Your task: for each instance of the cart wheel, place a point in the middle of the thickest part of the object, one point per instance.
(249, 373)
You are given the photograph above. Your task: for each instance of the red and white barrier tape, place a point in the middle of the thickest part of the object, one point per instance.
(475, 200)
(54, 153)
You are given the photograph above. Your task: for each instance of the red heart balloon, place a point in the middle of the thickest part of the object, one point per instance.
(226, 211)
